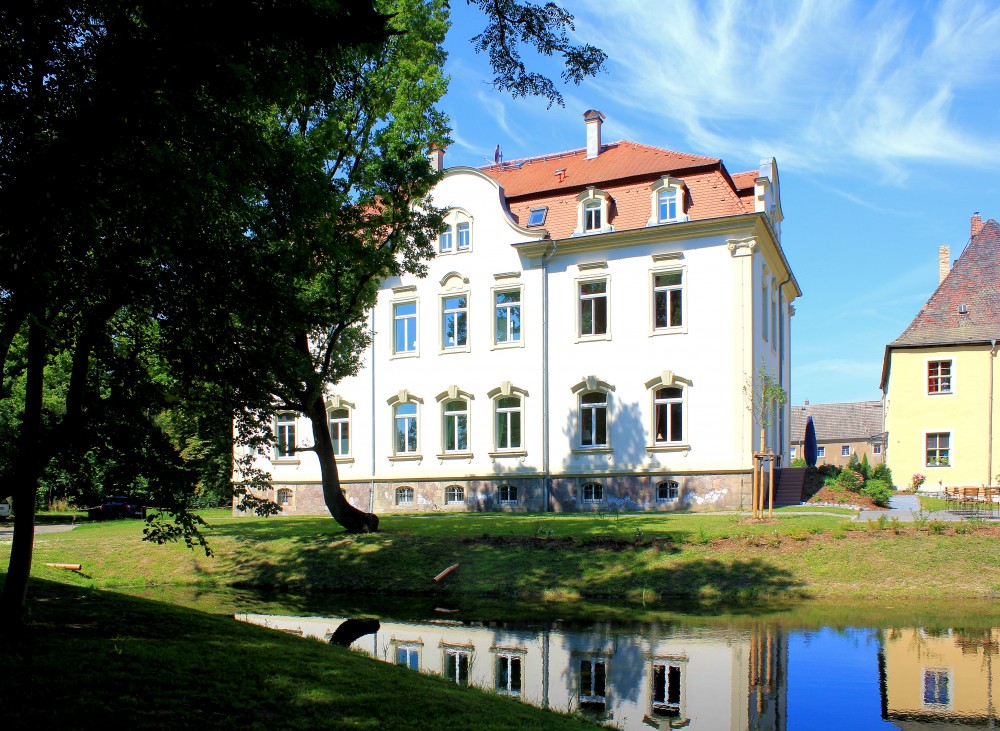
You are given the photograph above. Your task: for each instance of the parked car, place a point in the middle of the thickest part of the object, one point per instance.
(117, 506)
(5, 509)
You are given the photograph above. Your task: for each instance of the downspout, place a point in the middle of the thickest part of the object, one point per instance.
(989, 453)
(781, 367)
(545, 377)
(371, 492)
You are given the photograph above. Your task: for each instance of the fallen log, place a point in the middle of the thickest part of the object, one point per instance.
(69, 566)
(437, 579)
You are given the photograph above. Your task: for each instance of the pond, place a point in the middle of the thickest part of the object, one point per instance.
(709, 672)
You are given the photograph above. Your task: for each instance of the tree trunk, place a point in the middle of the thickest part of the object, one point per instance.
(26, 472)
(352, 519)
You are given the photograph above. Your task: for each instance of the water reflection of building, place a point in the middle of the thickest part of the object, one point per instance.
(944, 676)
(661, 678)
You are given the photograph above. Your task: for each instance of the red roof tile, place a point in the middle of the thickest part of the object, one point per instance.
(972, 282)
(746, 180)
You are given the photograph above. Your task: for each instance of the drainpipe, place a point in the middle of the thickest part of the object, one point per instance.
(545, 377)
(781, 365)
(989, 454)
(371, 491)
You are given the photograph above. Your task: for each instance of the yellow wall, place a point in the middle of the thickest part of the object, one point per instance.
(911, 413)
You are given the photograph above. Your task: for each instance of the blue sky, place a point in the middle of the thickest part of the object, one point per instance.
(884, 119)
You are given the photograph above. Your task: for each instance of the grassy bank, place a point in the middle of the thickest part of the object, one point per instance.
(101, 660)
(642, 558)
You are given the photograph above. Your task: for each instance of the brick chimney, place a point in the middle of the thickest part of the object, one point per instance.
(944, 262)
(593, 119)
(436, 158)
(977, 223)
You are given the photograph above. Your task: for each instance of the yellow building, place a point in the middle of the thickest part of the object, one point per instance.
(938, 376)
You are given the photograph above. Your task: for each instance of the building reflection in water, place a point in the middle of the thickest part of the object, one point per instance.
(654, 678)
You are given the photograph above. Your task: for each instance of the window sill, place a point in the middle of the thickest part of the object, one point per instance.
(455, 455)
(508, 345)
(510, 453)
(679, 330)
(406, 457)
(456, 349)
(406, 354)
(940, 393)
(344, 460)
(593, 338)
(285, 460)
(678, 447)
(591, 450)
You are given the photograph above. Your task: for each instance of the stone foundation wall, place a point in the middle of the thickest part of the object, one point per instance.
(630, 493)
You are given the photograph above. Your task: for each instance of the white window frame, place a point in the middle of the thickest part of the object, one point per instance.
(592, 197)
(820, 452)
(404, 495)
(457, 221)
(457, 312)
(668, 379)
(507, 390)
(451, 660)
(877, 450)
(672, 487)
(404, 398)
(285, 427)
(592, 492)
(590, 416)
(452, 394)
(663, 707)
(412, 649)
(666, 290)
(541, 212)
(449, 493)
(589, 386)
(948, 457)
(337, 437)
(667, 402)
(668, 184)
(845, 450)
(949, 677)
(510, 656)
(286, 493)
(495, 292)
(950, 377)
(791, 452)
(774, 315)
(512, 496)
(764, 308)
(414, 318)
(589, 696)
(463, 236)
(580, 283)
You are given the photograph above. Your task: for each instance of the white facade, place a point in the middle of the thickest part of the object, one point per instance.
(608, 323)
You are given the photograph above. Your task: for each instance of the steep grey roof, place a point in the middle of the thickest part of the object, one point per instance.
(974, 281)
(851, 421)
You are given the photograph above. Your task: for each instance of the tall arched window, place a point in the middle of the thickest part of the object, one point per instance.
(340, 431)
(284, 434)
(594, 420)
(405, 428)
(456, 425)
(668, 415)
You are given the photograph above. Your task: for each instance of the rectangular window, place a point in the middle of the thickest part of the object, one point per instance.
(939, 376)
(593, 492)
(668, 294)
(405, 429)
(509, 674)
(445, 241)
(666, 689)
(763, 310)
(408, 656)
(593, 308)
(937, 688)
(456, 426)
(820, 452)
(845, 450)
(876, 449)
(593, 684)
(340, 431)
(508, 316)
(668, 410)
(667, 203)
(594, 420)
(508, 424)
(455, 321)
(792, 452)
(464, 236)
(456, 666)
(668, 492)
(592, 217)
(405, 321)
(454, 494)
(939, 449)
(284, 432)
(537, 216)
(508, 494)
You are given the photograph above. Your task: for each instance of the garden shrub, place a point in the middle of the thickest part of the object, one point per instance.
(800, 462)
(851, 479)
(882, 472)
(879, 491)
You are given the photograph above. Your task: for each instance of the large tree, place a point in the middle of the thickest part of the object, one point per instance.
(177, 178)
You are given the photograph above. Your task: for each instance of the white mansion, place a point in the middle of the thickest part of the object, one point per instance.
(582, 340)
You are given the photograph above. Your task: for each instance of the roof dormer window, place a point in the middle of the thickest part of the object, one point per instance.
(456, 235)
(594, 211)
(668, 199)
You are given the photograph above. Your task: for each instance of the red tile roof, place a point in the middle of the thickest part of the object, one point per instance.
(626, 171)
(746, 180)
(974, 281)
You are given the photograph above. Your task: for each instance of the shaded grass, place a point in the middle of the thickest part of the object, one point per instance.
(91, 659)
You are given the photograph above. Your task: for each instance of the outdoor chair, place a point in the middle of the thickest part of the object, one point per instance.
(971, 500)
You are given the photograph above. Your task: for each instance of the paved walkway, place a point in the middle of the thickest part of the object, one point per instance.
(904, 508)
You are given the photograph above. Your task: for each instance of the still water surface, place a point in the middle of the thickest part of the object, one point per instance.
(742, 674)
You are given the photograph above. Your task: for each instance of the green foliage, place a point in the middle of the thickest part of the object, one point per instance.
(855, 464)
(879, 491)
(851, 480)
(798, 462)
(864, 468)
(882, 472)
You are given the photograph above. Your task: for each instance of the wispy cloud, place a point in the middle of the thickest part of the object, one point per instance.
(821, 84)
